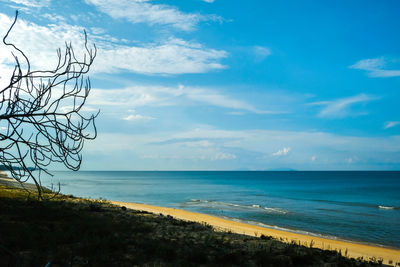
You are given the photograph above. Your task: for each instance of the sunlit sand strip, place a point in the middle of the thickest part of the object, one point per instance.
(354, 250)
(4, 175)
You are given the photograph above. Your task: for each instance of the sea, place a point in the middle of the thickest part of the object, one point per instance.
(358, 206)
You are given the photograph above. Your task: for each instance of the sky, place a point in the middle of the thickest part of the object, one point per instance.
(227, 85)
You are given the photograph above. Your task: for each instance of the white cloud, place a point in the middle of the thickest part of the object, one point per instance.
(375, 67)
(83, 109)
(197, 149)
(32, 3)
(53, 17)
(5, 73)
(137, 117)
(261, 52)
(220, 100)
(282, 152)
(236, 113)
(391, 124)
(143, 11)
(205, 155)
(224, 156)
(38, 42)
(146, 95)
(369, 64)
(173, 56)
(97, 30)
(340, 108)
(209, 1)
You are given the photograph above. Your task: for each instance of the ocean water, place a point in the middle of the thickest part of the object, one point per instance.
(356, 206)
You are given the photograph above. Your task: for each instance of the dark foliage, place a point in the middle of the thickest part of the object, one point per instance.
(68, 231)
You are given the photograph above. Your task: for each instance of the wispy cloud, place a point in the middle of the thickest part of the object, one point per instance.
(53, 17)
(215, 98)
(282, 152)
(210, 155)
(223, 156)
(172, 56)
(209, 1)
(39, 43)
(375, 67)
(391, 124)
(137, 117)
(261, 52)
(32, 3)
(341, 107)
(142, 11)
(198, 148)
(83, 109)
(147, 95)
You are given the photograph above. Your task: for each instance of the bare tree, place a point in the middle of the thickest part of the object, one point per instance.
(42, 116)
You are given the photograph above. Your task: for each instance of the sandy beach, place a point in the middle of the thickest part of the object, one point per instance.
(354, 250)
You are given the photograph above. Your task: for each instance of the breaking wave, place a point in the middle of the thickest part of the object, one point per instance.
(358, 204)
(388, 208)
(232, 206)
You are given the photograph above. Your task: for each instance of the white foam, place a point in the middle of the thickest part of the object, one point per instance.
(386, 207)
(275, 210)
(221, 205)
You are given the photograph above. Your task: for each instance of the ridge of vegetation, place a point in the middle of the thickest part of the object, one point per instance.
(70, 231)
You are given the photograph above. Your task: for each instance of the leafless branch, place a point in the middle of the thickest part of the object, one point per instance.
(43, 114)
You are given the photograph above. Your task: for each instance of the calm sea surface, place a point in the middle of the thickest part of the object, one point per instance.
(358, 206)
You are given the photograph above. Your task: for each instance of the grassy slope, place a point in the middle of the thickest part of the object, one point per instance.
(69, 231)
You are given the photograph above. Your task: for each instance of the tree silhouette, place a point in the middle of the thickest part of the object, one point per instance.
(41, 114)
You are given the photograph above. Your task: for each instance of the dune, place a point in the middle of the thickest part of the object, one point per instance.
(350, 249)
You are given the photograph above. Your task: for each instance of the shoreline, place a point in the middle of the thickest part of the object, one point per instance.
(311, 234)
(347, 248)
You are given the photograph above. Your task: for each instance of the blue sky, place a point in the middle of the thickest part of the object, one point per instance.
(229, 85)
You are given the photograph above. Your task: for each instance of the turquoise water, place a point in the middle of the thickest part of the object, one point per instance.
(357, 206)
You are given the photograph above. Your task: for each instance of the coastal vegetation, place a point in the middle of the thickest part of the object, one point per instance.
(68, 231)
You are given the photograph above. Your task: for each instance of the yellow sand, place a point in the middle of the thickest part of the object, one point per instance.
(4, 175)
(354, 250)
